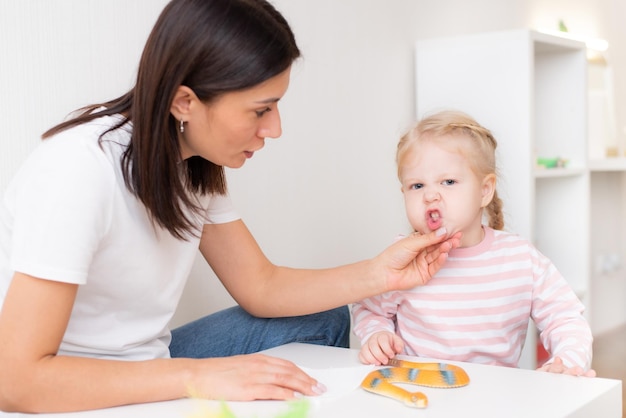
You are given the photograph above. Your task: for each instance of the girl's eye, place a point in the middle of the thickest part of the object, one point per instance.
(260, 113)
(416, 186)
(449, 182)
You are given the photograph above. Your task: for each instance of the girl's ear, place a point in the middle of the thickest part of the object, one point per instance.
(488, 189)
(182, 103)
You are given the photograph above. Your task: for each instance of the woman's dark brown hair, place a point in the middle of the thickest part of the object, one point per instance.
(213, 47)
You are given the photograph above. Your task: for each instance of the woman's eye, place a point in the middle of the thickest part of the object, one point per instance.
(261, 112)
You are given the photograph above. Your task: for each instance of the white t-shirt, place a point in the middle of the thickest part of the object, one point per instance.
(68, 216)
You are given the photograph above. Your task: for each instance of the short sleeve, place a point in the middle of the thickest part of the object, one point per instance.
(61, 206)
(221, 210)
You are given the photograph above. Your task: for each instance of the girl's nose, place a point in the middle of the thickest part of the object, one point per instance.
(431, 196)
(270, 126)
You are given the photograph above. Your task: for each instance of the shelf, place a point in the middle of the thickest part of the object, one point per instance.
(608, 164)
(558, 172)
(550, 43)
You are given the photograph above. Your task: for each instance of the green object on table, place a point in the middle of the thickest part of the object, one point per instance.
(295, 409)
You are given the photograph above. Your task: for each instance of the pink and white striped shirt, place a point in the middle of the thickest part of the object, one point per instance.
(478, 306)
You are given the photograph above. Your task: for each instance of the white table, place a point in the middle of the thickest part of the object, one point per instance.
(492, 392)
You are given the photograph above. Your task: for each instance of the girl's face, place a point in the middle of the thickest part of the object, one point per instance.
(232, 128)
(441, 190)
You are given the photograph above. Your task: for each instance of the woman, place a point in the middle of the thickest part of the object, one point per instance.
(100, 226)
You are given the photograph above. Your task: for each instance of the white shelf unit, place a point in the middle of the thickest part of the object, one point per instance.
(608, 164)
(608, 245)
(529, 89)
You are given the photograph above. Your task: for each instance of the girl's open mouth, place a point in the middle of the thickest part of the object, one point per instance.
(433, 220)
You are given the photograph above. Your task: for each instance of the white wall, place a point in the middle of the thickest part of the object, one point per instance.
(323, 194)
(56, 56)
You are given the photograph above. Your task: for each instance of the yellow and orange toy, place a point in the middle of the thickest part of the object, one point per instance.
(434, 375)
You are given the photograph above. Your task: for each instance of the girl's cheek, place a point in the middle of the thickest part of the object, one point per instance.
(417, 222)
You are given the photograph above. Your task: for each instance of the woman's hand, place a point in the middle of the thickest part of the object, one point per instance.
(380, 348)
(250, 377)
(557, 366)
(235, 256)
(413, 260)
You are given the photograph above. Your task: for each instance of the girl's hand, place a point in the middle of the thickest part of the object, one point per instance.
(250, 377)
(558, 367)
(380, 348)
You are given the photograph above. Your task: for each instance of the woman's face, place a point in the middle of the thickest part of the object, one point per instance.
(233, 127)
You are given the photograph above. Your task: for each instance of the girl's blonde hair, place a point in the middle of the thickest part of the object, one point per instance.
(472, 140)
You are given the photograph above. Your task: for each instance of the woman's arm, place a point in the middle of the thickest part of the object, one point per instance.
(267, 290)
(33, 378)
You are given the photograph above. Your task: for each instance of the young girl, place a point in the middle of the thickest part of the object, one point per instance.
(100, 227)
(477, 307)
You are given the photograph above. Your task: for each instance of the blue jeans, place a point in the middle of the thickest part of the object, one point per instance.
(233, 331)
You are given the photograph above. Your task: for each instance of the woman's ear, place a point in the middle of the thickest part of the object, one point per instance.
(182, 103)
(488, 188)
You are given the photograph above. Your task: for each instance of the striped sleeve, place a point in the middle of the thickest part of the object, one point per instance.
(558, 315)
(373, 315)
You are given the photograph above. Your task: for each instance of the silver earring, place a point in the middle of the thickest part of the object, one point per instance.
(182, 126)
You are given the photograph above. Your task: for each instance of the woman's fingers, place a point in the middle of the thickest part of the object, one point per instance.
(254, 376)
(288, 379)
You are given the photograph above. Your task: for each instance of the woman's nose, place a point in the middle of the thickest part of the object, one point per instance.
(270, 126)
